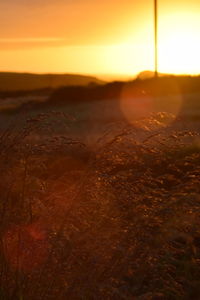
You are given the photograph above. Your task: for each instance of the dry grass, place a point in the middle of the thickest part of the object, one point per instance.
(116, 221)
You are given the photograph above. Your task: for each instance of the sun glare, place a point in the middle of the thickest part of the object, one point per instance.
(127, 50)
(179, 44)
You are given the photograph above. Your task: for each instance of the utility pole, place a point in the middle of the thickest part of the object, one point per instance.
(156, 36)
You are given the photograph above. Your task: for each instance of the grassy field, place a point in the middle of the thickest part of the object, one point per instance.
(97, 203)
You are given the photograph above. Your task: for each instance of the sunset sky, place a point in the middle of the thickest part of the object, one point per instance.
(112, 37)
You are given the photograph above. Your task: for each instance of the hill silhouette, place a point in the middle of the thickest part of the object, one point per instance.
(10, 81)
(170, 94)
(148, 74)
(162, 86)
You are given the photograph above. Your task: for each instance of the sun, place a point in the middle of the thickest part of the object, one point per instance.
(179, 45)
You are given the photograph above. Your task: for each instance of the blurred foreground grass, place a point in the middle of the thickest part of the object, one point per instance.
(116, 219)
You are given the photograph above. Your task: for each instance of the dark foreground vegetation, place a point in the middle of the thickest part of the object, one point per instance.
(118, 219)
(162, 94)
(162, 86)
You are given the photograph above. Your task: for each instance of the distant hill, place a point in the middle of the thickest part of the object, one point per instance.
(26, 81)
(150, 74)
(159, 94)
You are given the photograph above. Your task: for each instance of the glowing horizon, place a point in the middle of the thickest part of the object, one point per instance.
(93, 37)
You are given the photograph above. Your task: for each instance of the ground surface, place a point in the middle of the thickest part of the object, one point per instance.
(100, 212)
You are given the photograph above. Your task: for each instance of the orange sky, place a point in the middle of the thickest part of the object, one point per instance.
(98, 37)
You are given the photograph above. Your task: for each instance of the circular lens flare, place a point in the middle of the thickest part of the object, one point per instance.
(140, 100)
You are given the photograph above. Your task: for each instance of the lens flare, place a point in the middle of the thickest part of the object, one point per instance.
(142, 99)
